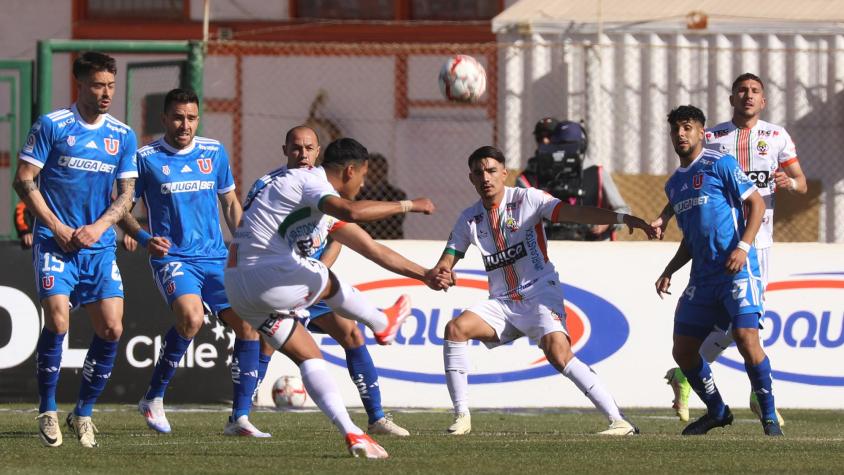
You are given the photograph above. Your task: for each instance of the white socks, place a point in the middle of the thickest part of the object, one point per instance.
(587, 381)
(323, 391)
(456, 361)
(349, 303)
(715, 344)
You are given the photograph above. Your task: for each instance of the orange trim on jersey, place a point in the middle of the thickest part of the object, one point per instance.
(556, 212)
(788, 162)
(540, 239)
(743, 148)
(510, 275)
(337, 225)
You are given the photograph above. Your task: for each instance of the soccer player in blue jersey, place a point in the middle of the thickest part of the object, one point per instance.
(719, 211)
(66, 174)
(302, 149)
(181, 178)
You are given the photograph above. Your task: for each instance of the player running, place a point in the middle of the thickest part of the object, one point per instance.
(719, 210)
(75, 154)
(269, 276)
(526, 297)
(181, 178)
(302, 149)
(768, 156)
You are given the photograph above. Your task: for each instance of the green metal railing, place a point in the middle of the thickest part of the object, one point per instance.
(19, 117)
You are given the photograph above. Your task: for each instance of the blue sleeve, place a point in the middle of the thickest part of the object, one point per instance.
(127, 167)
(225, 180)
(735, 180)
(140, 183)
(39, 141)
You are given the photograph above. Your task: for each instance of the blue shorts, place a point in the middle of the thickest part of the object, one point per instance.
(85, 277)
(703, 308)
(315, 311)
(180, 276)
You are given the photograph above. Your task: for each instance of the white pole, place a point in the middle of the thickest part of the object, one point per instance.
(206, 18)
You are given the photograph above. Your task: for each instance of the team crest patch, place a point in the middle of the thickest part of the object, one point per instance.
(71, 140)
(697, 181)
(170, 287)
(165, 169)
(112, 146)
(204, 165)
(510, 224)
(47, 282)
(762, 147)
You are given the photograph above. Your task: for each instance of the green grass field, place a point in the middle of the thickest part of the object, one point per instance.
(517, 441)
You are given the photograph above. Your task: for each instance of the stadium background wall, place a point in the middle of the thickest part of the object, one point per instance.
(617, 323)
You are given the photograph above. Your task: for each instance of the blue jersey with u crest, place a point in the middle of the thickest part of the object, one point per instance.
(79, 163)
(180, 189)
(707, 199)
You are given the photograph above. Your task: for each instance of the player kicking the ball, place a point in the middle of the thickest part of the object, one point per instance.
(269, 278)
(526, 297)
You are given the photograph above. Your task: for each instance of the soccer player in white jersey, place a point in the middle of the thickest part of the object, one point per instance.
(302, 149)
(75, 154)
(768, 156)
(526, 297)
(269, 277)
(181, 178)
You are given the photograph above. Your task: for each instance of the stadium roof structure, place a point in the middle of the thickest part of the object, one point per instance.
(705, 16)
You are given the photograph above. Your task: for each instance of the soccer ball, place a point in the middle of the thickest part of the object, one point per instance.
(289, 391)
(462, 79)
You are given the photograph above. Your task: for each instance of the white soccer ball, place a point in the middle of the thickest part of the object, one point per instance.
(462, 79)
(289, 391)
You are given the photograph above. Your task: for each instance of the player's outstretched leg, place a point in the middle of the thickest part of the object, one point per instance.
(173, 348)
(348, 302)
(244, 370)
(456, 362)
(48, 361)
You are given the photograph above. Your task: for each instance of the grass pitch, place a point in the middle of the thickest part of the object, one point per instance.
(516, 441)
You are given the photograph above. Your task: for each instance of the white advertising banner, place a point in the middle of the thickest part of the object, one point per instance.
(617, 323)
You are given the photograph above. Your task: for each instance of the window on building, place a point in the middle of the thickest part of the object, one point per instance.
(138, 9)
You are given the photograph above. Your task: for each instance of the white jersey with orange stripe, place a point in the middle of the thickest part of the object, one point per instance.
(760, 151)
(511, 238)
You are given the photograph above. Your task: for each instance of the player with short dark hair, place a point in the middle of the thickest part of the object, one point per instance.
(525, 294)
(767, 154)
(719, 210)
(181, 178)
(75, 154)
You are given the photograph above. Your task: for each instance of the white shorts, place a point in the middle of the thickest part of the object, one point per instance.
(268, 294)
(535, 316)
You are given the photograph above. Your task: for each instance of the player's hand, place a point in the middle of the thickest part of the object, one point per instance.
(130, 243)
(783, 181)
(662, 285)
(63, 235)
(26, 241)
(598, 229)
(634, 222)
(158, 246)
(736, 261)
(439, 278)
(660, 224)
(88, 235)
(423, 205)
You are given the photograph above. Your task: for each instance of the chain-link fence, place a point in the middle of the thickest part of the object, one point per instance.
(387, 97)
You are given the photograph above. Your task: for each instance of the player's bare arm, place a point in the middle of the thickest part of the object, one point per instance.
(366, 210)
(331, 252)
(661, 221)
(593, 215)
(442, 273)
(755, 210)
(681, 257)
(232, 210)
(157, 246)
(791, 178)
(28, 192)
(88, 235)
(354, 237)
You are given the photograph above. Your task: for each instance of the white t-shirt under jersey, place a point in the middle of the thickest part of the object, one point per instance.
(760, 151)
(511, 238)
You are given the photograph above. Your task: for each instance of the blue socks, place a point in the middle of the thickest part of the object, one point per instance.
(172, 351)
(48, 360)
(95, 374)
(244, 375)
(760, 381)
(365, 377)
(263, 364)
(702, 382)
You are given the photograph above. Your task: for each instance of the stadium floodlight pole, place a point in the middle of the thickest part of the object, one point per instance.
(46, 48)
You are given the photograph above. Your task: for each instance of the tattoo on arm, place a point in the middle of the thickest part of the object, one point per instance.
(121, 206)
(129, 225)
(24, 187)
